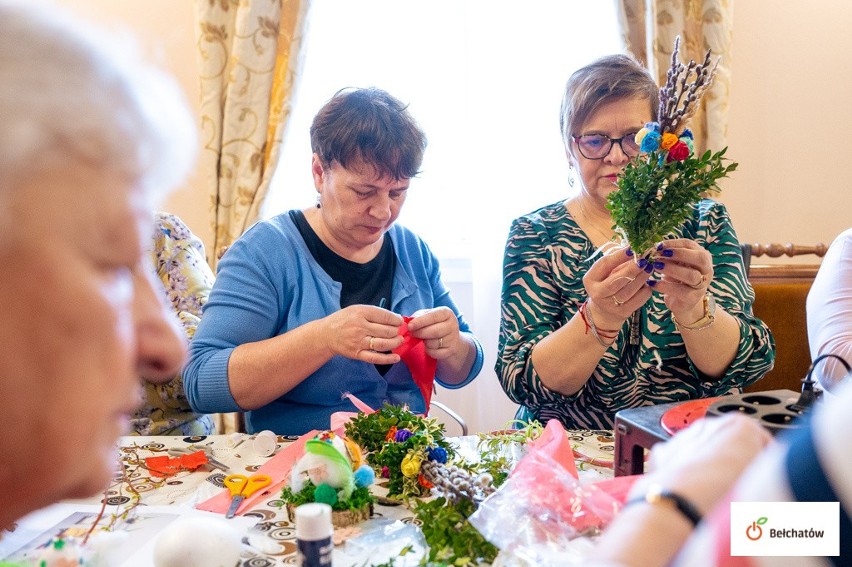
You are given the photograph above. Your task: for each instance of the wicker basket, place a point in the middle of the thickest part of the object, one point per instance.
(340, 518)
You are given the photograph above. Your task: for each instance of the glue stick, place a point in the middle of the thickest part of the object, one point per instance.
(313, 535)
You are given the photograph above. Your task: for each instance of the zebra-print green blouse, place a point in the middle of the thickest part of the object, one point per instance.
(547, 255)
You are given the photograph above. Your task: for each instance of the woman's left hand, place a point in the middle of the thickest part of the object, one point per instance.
(439, 329)
(685, 276)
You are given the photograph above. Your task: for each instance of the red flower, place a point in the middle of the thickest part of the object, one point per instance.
(678, 152)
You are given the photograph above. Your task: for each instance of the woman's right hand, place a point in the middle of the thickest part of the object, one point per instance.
(364, 332)
(616, 286)
(703, 461)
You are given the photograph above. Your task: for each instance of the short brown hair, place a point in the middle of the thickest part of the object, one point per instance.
(372, 126)
(610, 78)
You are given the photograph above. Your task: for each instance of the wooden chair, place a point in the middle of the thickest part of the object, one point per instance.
(781, 291)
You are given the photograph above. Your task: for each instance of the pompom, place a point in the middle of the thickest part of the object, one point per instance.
(364, 476)
(385, 472)
(402, 435)
(438, 454)
(325, 494)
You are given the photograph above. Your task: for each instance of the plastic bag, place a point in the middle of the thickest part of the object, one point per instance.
(383, 540)
(542, 515)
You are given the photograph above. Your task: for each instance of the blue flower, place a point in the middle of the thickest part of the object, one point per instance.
(651, 142)
(437, 454)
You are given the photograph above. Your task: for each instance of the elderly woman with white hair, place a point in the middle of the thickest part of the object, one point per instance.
(89, 135)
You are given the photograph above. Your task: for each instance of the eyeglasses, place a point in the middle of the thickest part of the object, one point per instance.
(598, 146)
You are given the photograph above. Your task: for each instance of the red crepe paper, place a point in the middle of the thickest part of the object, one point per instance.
(412, 351)
(166, 466)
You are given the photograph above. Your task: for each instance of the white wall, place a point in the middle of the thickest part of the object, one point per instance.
(790, 121)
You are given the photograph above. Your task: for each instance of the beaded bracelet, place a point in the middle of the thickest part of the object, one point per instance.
(599, 334)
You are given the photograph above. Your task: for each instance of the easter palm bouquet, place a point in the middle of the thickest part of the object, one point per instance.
(659, 187)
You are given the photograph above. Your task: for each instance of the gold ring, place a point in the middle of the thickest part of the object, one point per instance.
(700, 283)
(371, 343)
(441, 342)
(617, 302)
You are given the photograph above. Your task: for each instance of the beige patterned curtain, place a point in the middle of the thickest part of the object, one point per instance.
(649, 28)
(249, 59)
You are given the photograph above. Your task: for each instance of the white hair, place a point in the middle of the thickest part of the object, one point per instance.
(71, 95)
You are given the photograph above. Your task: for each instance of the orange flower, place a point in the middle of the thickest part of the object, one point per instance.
(421, 480)
(391, 434)
(668, 141)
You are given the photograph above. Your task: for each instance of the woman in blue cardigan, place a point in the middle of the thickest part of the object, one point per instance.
(308, 305)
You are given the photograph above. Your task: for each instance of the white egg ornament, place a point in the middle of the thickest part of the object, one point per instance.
(198, 542)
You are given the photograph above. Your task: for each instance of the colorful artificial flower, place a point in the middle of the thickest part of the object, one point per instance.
(391, 436)
(410, 465)
(668, 140)
(650, 142)
(678, 152)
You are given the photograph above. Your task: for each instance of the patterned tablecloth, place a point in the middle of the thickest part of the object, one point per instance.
(271, 541)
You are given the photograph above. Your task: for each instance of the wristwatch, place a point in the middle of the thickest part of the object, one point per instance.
(657, 495)
(706, 320)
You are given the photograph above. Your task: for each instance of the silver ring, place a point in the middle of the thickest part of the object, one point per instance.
(615, 299)
(371, 343)
(441, 342)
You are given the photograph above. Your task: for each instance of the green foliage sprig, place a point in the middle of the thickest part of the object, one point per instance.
(452, 539)
(656, 196)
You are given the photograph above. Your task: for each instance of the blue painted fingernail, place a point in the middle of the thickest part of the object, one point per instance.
(629, 252)
(659, 265)
(649, 268)
(652, 283)
(668, 253)
(660, 246)
(642, 263)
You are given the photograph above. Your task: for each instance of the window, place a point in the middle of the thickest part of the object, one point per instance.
(484, 79)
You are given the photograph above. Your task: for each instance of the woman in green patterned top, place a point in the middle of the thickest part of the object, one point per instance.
(583, 336)
(178, 257)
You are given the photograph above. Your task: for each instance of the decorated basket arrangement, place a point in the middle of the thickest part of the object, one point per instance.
(659, 187)
(332, 471)
(398, 443)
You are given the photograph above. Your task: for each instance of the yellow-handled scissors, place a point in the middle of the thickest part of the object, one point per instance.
(242, 486)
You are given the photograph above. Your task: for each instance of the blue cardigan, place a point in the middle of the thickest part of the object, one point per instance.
(267, 284)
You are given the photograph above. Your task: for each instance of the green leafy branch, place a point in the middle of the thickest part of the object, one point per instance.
(452, 539)
(656, 196)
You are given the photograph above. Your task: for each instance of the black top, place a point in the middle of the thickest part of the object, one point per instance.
(362, 284)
